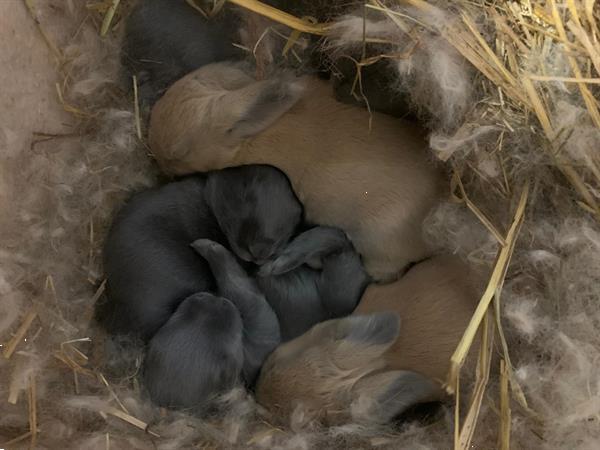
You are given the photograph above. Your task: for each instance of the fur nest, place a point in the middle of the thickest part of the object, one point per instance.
(510, 93)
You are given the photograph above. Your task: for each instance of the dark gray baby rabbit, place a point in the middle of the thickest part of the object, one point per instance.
(166, 39)
(317, 277)
(148, 261)
(210, 340)
(159, 288)
(243, 327)
(206, 322)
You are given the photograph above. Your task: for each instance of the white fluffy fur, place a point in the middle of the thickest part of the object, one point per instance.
(436, 78)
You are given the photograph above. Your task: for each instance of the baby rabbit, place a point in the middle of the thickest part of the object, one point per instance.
(149, 264)
(366, 367)
(245, 327)
(161, 289)
(376, 185)
(166, 39)
(329, 285)
(210, 342)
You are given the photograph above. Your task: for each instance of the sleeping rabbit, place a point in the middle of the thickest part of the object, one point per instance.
(375, 184)
(392, 353)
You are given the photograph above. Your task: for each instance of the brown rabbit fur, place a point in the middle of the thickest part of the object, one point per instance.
(376, 184)
(435, 300)
(352, 367)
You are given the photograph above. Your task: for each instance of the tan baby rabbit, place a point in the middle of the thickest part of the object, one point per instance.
(376, 185)
(367, 367)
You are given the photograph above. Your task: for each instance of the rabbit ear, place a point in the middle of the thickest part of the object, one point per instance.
(379, 328)
(382, 397)
(262, 103)
(360, 342)
(355, 343)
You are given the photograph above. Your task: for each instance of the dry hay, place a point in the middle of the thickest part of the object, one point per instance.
(510, 92)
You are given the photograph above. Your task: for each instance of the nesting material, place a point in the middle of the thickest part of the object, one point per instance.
(510, 93)
(429, 70)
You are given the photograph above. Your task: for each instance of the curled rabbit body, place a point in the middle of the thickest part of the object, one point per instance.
(149, 264)
(375, 184)
(392, 353)
(317, 276)
(205, 321)
(166, 39)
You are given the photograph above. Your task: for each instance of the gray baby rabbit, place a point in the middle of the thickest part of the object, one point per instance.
(318, 276)
(210, 342)
(198, 343)
(149, 264)
(222, 339)
(166, 39)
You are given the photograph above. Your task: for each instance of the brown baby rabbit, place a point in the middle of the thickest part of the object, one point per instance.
(366, 367)
(375, 184)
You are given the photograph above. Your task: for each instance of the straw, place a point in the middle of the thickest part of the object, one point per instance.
(130, 420)
(465, 435)
(20, 334)
(16, 440)
(109, 16)
(505, 413)
(53, 48)
(32, 412)
(282, 17)
(475, 210)
(136, 109)
(502, 261)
